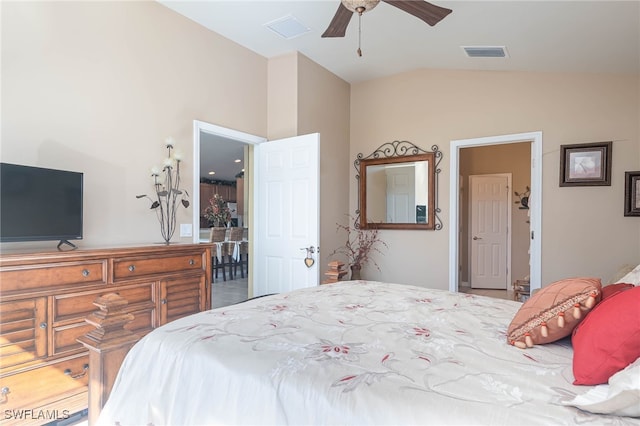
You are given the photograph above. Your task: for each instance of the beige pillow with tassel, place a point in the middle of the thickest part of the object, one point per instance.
(553, 312)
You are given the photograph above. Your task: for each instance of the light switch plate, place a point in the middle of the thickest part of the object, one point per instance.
(186, 230)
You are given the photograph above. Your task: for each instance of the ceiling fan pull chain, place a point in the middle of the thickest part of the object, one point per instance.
(359, 33)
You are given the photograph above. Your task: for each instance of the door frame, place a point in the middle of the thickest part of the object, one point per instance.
(246, 138)
(535, 209)
(509, 177)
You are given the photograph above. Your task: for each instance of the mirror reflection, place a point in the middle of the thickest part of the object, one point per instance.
(398, 192)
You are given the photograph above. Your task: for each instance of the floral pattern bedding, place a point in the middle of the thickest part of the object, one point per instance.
(355, 352)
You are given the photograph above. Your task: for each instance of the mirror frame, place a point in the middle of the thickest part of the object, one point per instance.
(393, 153)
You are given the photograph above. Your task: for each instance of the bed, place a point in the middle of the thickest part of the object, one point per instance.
(355, 352)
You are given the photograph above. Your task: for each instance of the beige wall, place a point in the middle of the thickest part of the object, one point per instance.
(376, 194)
(306, 98)
(282, 98)
(323, 107)
(509, 158)
(97, 87)
(583, 229)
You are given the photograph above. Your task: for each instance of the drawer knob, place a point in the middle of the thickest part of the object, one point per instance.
(4, 394)
(83, 373)
(132, 268)
(163, 301)
(85, 272)
(192, 262)
(43, 325)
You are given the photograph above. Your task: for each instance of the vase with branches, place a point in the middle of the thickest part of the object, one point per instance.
(217, 212)
(168, 196)
(358, 248)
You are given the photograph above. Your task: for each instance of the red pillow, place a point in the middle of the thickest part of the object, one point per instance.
(608, 339)
(611, 289)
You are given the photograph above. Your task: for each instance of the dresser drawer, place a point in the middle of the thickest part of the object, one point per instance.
(128, 268)
(64, 337)
(41, 386)
(15, 278)
(143, 321)
(76, 306)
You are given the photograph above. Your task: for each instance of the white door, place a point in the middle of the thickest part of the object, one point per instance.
(489, 231)
(286, 214)
(401, 195)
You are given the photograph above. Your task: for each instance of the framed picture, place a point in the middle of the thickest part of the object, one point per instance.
(587, 164)
(632, 193)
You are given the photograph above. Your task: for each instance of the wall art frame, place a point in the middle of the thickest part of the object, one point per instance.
(632, 193)
(587, 164)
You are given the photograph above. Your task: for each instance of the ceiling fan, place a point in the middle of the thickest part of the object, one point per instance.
(429, 13)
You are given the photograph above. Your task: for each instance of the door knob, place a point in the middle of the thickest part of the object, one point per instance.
(477, 238)
(4, 393)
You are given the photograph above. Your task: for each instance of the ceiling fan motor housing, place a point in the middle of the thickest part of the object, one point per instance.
(360, 6)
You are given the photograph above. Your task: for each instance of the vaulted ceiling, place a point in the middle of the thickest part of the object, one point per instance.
(541, 35)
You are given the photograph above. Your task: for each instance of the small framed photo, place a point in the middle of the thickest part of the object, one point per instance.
(632, 193)
(587, 164)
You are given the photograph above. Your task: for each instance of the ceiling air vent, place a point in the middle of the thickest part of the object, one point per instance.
(486, 51)
(288, 27)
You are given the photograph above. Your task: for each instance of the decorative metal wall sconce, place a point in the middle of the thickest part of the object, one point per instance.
(523, 198)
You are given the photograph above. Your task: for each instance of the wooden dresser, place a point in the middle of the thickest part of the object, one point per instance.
(45, 297)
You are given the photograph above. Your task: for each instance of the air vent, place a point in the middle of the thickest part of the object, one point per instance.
(288, 27)
(486, 51)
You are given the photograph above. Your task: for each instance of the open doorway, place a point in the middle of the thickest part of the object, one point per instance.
(494, 217)
(230, 286)
(459, 236)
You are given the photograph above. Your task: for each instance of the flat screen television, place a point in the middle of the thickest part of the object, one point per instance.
(39, 204)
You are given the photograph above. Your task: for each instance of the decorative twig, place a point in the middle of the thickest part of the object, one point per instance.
(359, 246)
(167, 193)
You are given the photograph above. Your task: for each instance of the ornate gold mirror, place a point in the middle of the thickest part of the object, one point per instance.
(397, 187)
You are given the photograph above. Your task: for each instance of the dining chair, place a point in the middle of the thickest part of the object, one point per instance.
(217, 236)
(243, 260)
(235, 242)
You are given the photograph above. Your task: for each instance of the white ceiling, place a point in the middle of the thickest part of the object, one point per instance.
(542, 35)
(591, 36)
(218, 154)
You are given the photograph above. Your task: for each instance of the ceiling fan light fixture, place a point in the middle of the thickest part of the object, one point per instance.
(360, 6)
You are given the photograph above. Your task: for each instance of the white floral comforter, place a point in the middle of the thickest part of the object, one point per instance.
(351, 353)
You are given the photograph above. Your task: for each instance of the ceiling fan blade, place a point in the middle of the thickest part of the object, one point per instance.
(429, 13)
(339, 23)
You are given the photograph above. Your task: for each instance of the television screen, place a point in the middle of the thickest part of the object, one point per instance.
(38, 204)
